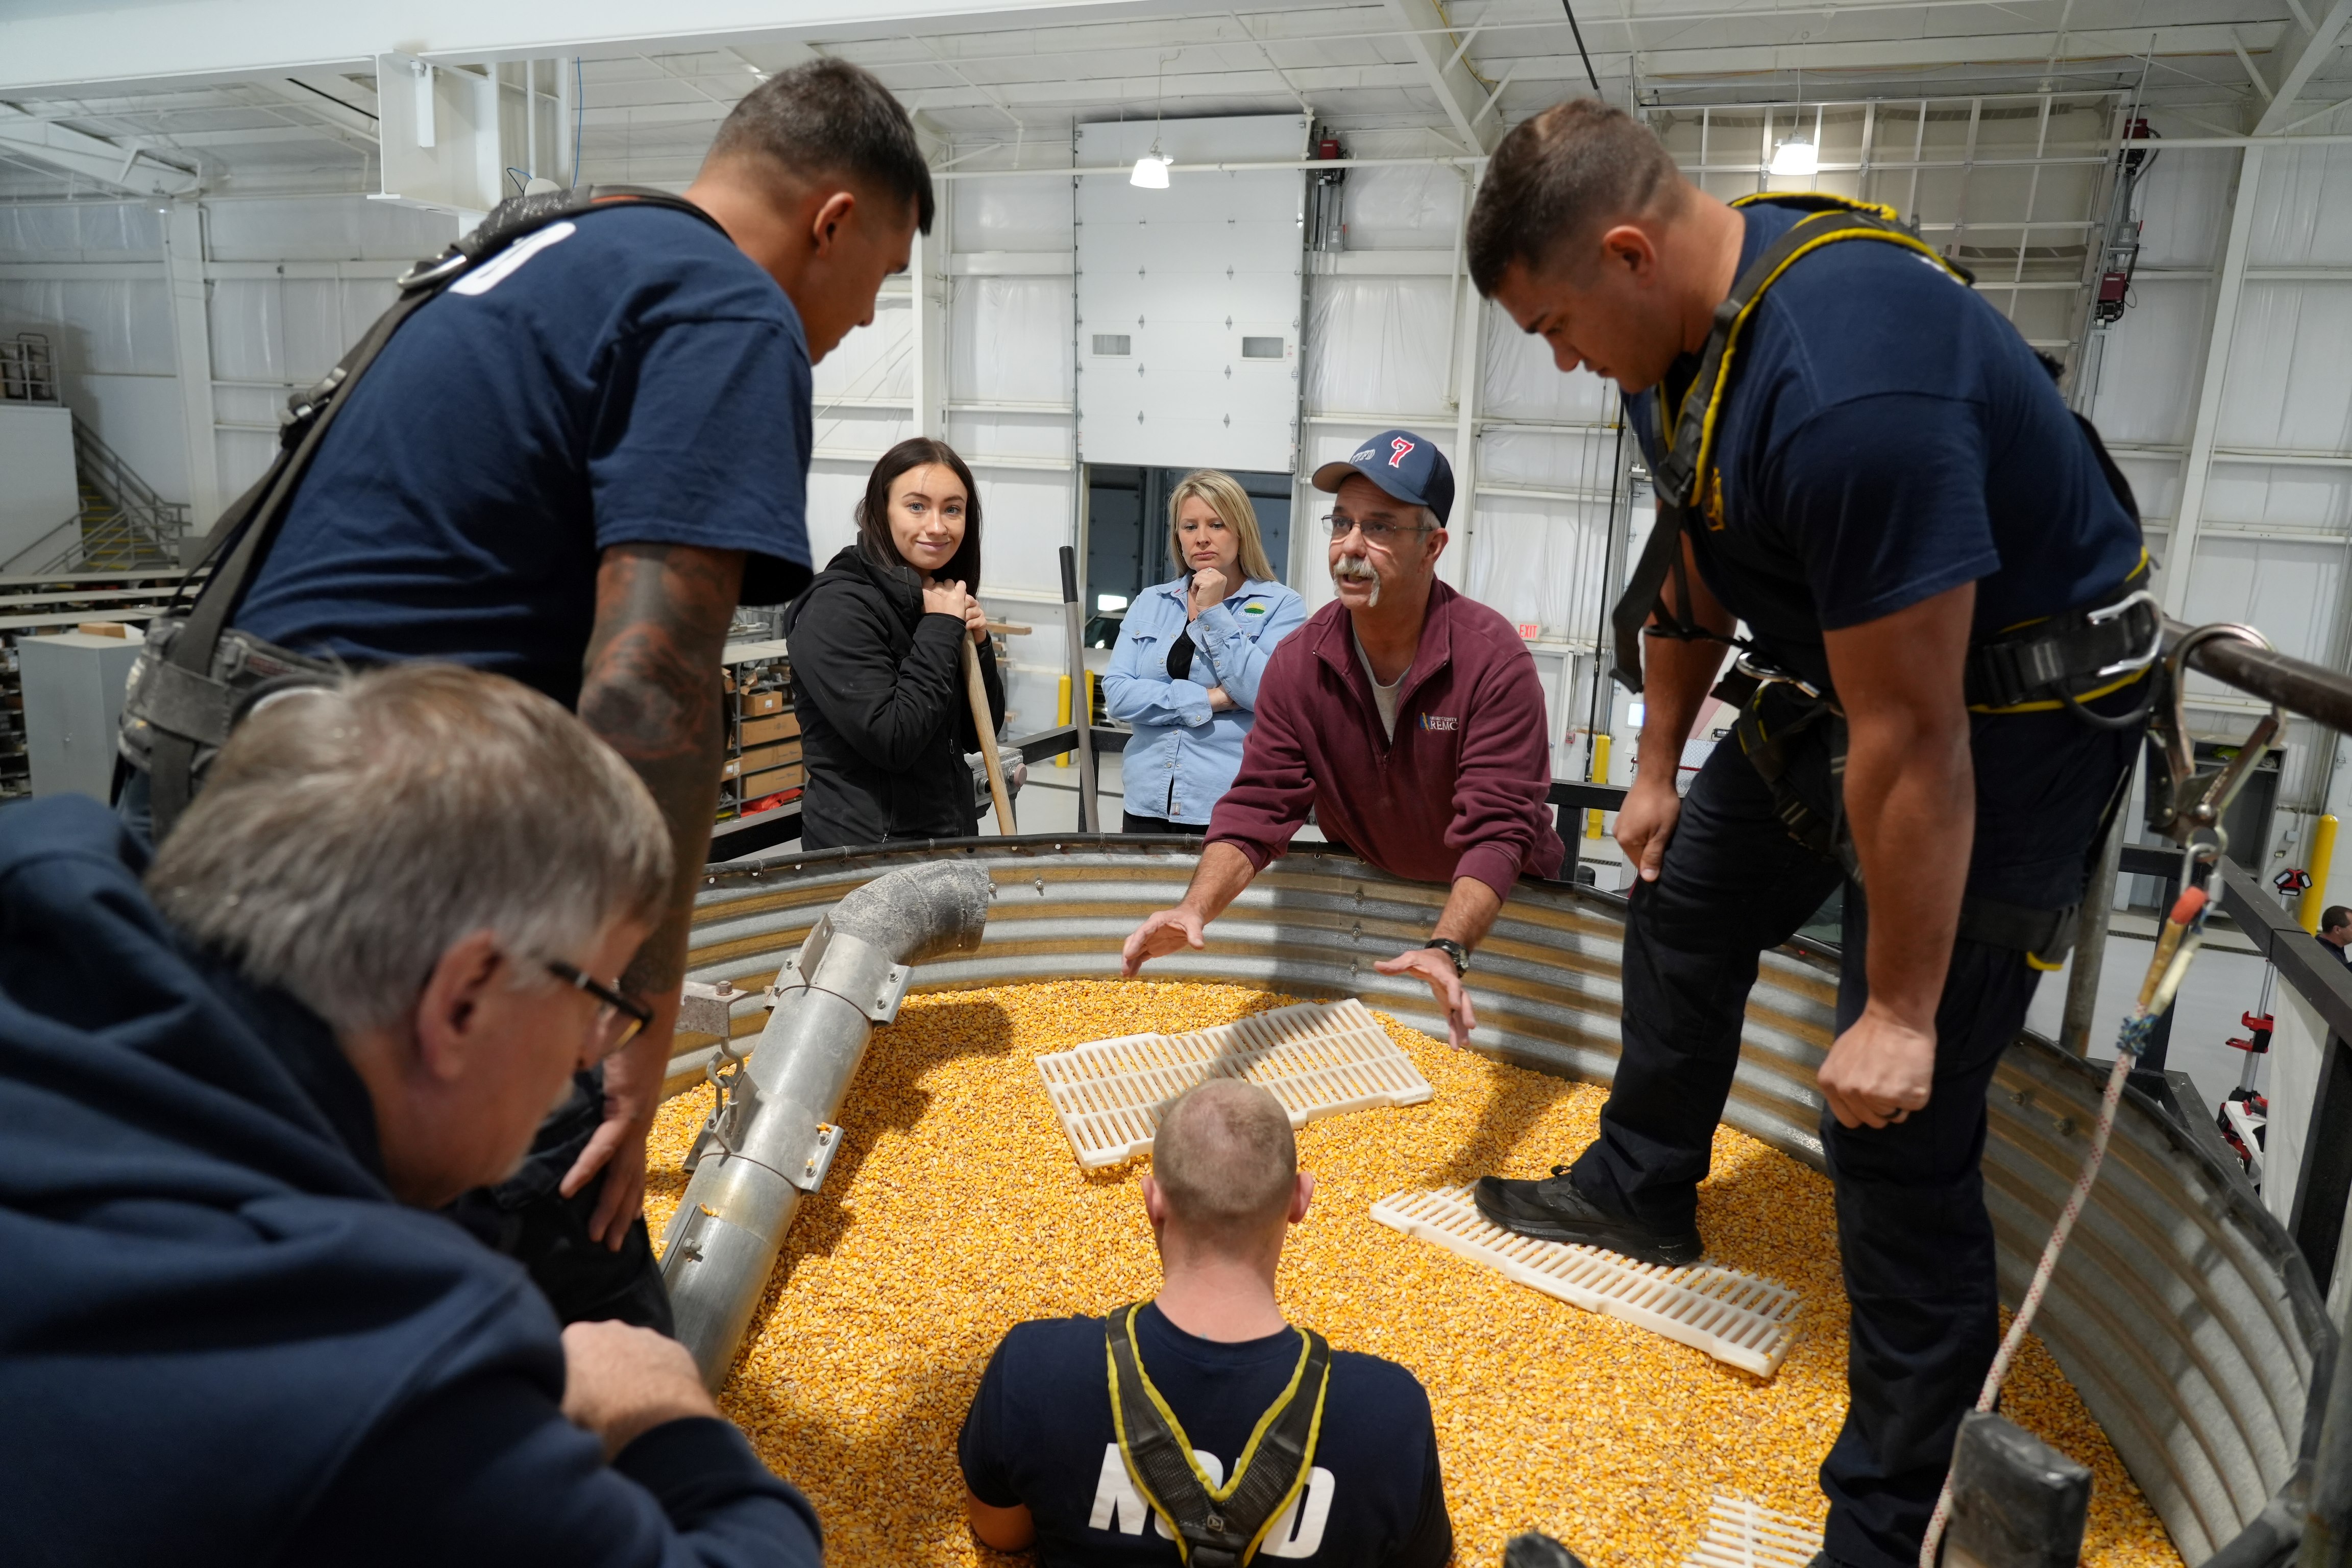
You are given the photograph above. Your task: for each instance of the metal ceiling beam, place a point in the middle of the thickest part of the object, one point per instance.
(2321, 42)
(179, 40)
(125, 167)
(1459, 92)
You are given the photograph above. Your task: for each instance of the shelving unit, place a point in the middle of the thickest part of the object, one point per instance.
(763, 732)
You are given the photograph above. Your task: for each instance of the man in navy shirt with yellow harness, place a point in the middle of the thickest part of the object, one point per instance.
(1943, 586)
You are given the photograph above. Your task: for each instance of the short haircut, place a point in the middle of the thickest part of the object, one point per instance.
(1226, 1161)
(873, 515)
(1231, 503)
(347, 837)
(1560, 179)
(827, 116)
(2334, 915)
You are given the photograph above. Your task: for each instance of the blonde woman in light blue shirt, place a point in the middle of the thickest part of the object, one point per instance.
(1186, 668)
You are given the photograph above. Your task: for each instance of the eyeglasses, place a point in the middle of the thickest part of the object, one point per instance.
(618, 1020)
(1379, 533)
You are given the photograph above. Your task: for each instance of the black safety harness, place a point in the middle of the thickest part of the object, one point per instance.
(199, 678)
(2060, 661)
(1215, 1527)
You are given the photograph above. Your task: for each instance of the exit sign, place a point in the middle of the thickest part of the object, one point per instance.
(1529, 631)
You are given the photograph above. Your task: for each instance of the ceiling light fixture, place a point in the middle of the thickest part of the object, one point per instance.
(1797, 156)
(1150, 172)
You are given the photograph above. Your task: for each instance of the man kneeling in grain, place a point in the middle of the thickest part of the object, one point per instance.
(1203, 1407)
(369, 960)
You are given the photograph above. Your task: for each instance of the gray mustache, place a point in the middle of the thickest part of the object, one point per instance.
(1356, 568)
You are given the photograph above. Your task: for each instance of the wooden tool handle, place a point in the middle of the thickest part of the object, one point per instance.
(977, 689)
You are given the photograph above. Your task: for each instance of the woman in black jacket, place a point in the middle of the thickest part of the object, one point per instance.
(877, 660)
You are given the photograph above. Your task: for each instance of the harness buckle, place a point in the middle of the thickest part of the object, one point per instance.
(432, 269)
(2156, 631)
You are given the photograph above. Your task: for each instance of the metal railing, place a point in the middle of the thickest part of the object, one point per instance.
(144, 524)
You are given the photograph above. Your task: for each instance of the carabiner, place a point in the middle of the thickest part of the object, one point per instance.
(2183, 808)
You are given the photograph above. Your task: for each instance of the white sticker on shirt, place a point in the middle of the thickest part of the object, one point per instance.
(482, 279)
(1298, 1532)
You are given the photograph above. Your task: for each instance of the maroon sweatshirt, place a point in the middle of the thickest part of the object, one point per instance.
(1460, 791)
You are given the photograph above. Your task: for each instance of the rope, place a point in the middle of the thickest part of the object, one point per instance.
(2175, 947)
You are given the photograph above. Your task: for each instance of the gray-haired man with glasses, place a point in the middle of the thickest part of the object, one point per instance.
(237, 1082)
(1408, 718)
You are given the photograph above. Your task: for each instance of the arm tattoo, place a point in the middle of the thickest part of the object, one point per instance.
(650, 690)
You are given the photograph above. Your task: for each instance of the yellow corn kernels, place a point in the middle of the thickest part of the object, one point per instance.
(956, 1210)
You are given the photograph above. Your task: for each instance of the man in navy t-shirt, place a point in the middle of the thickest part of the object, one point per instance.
(570, 468)
(1893, 479)
(1040, 1452)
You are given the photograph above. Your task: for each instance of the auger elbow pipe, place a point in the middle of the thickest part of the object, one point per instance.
(775, 1139)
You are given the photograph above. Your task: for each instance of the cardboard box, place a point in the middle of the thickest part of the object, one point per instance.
(760, 732)
(757, 759)
(756, 703)
(771, 780)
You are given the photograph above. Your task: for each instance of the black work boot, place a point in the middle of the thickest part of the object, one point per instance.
(1553, 1210)
(1537, 1549)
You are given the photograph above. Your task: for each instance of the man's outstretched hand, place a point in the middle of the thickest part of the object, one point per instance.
(1162, 933)
(1431, 964)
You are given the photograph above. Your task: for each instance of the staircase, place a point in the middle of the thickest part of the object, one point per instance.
(125, 525)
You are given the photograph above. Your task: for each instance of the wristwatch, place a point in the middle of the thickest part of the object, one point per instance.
(1452, 949)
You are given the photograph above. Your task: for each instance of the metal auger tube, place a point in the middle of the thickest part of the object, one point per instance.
(773, 1138)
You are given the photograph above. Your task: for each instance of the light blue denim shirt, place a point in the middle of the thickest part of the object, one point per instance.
(1183, 756)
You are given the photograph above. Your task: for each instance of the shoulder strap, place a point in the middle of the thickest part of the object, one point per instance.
(1220, 1527)
(1687, 432)
(241, 540)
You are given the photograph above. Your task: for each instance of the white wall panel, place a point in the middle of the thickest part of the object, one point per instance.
(2291, 591)
(2303, 213)
(2184, 205)
(2281, 495)
(874, 361)
(1376, 345)
(112, 326)
(2148, 380)
(341, 228)
(2156, 485)
(138, 416)
(1011, 214)
(1009, 338)
(1522, 383)
(2290, 380)
(1409, 206)
(1540, 562)
(81, 231)
(833, 489)
(1026, 518)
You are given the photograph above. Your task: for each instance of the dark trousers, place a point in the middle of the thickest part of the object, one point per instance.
(526, 1216)
(1131, 823)
(1916, 1244)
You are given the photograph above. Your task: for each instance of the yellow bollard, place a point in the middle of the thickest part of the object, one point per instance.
(1062, 716)
(2314, 898)
(1597, 772)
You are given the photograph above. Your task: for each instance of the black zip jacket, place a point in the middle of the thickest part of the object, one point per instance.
(884, 724)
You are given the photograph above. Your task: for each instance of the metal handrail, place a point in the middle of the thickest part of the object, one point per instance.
(2301, 687)
(150, 519)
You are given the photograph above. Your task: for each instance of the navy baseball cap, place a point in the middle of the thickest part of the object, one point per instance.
(1407, 466)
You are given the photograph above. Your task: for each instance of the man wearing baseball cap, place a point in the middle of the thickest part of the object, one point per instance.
(1408, 718)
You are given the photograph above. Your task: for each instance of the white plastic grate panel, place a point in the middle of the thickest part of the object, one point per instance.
(1744, 1534)
(1740, 1319)
(1318, 1060)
